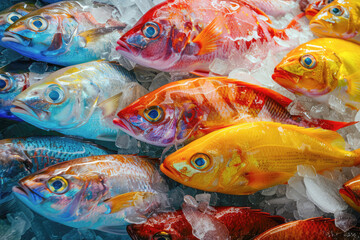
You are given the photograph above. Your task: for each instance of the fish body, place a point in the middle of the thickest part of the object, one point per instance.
(20, 157)
(340, 19)
(80, 100)
(188, 109)
(241, 222)
(311, 229)
(192, 34)
(249, 157)
(12, 14)
(98, 192)
(351, 193)
(275, 8)
(14, 78)
(314, 7)
(65, 33)
(321, 68)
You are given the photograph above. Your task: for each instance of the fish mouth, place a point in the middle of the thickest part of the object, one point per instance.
(124, 125)
(169, 172)
(281, 76)
(23, 191)
(123, 46)
(22, 108)
(16, 38)
(310, 13)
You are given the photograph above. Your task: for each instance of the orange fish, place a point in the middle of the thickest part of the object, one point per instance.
(351, 193)
(192, 34)
(309, 229)
(314, 7)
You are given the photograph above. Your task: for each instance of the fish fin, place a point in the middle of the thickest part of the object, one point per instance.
(57, 46)
(117, 203)
(332, 125)
(93, 34)
(294, 24)
(282, 100)
(256, 180)
(200, 73)
(110, 105)
(353, 82)
(209, 37)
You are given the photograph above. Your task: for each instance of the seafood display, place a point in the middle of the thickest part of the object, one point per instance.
(179, 119)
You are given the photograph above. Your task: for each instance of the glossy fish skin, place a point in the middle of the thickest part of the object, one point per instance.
(12, 14)
(314, 7)
(14, 78)
(332, 70)
(351, 193)
(194, 33)
(80, 100)
(311, 229)
(243, 223)
(21, 156)
(249, 157)
(99, 192)
(191, 108)
(64, 33)
(340, 19)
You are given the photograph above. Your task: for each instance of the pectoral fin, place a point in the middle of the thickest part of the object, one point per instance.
(353, 82)
(94, 34)
(261, 180)
(209, 38)
(110, 105)
(116, 204)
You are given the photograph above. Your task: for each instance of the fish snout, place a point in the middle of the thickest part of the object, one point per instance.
(16, 38)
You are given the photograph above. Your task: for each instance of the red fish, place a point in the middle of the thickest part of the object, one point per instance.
(188, 35)
(309, 229)
(241, 222)
(189, 109)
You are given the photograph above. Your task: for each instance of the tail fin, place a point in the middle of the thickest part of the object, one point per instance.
(330, 125)
(294, 24)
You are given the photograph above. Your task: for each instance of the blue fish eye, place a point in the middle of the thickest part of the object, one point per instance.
(14, 18)
(3, 83)
(37, 24)
(57, 184)
(200, 161)
(54, 94)
(330, 1)
(153, 114)
(308, 61)
(151, 30)
(337, 11)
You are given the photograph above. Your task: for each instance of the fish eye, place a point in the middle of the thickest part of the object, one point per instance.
(200, 161)
(308, 61)
(151, 30)
(57, 184)
(38, 23)
(154, 114)
(329, 1)
(6, 83)
(54, 94)
(161, 236)
(13, 17)
(337, 11)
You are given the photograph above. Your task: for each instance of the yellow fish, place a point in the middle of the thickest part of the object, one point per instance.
(322, 66)
(340, 19)
(246, 158)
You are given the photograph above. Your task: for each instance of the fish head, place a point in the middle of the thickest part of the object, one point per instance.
(58, 101)
(339, 19)
(157, 40)
(14, 165)
(12, 14)
(162, 226)
(11, 85)
(62, 192)
(42, 32)
(313, 8)
(163, 117)
(351, 193)
(309, 69)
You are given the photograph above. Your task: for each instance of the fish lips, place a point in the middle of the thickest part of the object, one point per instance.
(24, 192)
(124, 125)
(280, 76)
(22, 108)
(127, 49)
(171, 173)
(16, 38)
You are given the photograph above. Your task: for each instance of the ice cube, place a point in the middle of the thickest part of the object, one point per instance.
(297, 183)
(19, 224)
(38, 67)
(337, 104)
(345, 221)
(160, 80)
(292, 194)
(357, 119)
(324, 194)
(204, 197)
(244, 76)
(269, 191)
(355, 171)
(306, 209)
(219, 66)
(126, 144)
(318, 111)
(144, 5)
(306, 171)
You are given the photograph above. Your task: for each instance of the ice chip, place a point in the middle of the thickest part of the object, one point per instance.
(269, 191)
(244, 76)
(306, 171)
(306, 209)
(38, 67)
(357, 119)
(219, 66)
(204, 197)
(126, 144)
(160, 80)
(337, 104)
(345, 221)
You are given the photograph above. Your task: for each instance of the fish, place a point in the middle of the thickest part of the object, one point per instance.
(20, 157)
(317, 228)
(242, 223)
(15, 78)
(65, 33)
(249, 157)
(97, 192)
(192, 34)
(351, 193)
(12, 14)
(320, 68)
(339, 19)
(274, 8)
(314, 7)
(186, 110)
(80, 100)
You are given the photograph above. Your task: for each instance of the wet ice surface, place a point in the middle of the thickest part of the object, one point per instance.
(306, 195)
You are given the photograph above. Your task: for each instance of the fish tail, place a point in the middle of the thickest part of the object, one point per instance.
(330, 125)
(294, 24)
